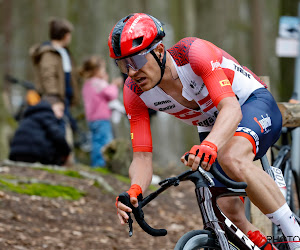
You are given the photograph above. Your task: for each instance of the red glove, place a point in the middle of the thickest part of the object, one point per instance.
(134, 191)
(208, 149)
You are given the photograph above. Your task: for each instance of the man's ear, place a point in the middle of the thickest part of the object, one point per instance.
(159, 50)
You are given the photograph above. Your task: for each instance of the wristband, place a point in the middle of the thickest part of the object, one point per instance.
(134, 191)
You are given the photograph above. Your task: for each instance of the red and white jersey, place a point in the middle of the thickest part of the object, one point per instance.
(207, 73)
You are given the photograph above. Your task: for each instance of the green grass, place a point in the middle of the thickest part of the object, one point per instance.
(45, 190)
(104, 171)
(124, 179)
(70, 173)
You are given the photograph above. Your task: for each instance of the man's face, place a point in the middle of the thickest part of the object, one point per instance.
(67, 39)
(58, 109)
(148, 76)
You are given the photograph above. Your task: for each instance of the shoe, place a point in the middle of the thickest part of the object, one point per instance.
(260, 240)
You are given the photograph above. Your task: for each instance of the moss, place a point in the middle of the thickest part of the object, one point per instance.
(45, 190)
(8, 177)
(122, 178)
(70, 173)
(104, 171)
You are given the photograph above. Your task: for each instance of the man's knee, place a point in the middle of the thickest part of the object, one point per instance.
(233, 165)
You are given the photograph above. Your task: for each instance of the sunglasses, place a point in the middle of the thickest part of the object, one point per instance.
(136, 62)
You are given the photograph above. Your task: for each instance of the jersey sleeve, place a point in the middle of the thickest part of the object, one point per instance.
(206, 63)
(137, 113)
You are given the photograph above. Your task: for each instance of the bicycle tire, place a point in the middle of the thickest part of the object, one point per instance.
(197, 239)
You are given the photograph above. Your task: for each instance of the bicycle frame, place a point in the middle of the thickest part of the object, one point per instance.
(214, 219)
(228, 235)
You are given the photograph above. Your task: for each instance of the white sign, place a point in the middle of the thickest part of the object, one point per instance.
(287, 44)
(286, 47)
(289, 27)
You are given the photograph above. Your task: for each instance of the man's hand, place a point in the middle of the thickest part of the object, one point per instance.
(133, 193)
(207, 151)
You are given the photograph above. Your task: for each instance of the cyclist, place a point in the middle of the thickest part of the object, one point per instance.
(203, 86)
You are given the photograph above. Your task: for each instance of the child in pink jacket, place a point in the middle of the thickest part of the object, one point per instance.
(97, 93)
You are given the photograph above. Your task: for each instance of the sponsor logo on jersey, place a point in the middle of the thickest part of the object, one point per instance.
(134, 23)
(207, 122)
(196, 87)
(241, 70)
(161, 102)
(225, 82)
(215, 65)
(265, 123)
(252, 133)
(131, 136)
(167, 108)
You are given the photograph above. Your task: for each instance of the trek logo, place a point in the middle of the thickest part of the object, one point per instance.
(265, 123)
(161, 102)
(224, 83)
(134, 23)
(207, 122)
(241, 70)
(241, 235)
(215, 65)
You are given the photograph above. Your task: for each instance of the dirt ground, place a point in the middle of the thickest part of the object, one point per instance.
(34, 222)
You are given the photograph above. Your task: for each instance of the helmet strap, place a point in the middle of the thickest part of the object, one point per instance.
(162, 65)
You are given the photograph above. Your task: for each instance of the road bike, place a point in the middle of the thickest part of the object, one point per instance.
(219, 232)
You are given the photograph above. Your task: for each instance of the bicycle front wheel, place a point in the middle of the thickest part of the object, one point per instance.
(197, 239)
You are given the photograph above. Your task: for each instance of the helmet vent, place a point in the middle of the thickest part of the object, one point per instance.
(138, 41)
(126, 18)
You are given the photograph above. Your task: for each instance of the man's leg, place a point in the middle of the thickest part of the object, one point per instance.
(236, 159)
(234, 209)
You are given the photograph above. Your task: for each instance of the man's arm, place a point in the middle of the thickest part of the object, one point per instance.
(227, 121)
(229, 116)
(140, 173)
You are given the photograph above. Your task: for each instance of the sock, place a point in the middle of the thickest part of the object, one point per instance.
(284, 218)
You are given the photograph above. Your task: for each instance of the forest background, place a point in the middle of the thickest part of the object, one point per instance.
(247, 29)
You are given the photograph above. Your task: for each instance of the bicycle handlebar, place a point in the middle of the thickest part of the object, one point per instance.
(174, 181)
(220, 177)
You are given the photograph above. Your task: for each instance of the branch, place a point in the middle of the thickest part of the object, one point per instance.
(290, 114)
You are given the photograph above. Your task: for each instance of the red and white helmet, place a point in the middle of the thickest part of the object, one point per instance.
(133, 34)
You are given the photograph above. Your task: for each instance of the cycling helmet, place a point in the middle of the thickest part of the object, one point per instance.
(133, 34)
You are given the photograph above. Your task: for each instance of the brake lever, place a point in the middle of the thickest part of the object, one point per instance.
(130, 221)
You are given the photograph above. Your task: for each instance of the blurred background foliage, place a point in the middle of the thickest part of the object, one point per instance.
(247, 29)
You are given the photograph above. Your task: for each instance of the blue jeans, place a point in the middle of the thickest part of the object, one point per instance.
(101, 135)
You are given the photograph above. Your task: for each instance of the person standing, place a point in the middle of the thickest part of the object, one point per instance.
(97, 93)
(54, 67)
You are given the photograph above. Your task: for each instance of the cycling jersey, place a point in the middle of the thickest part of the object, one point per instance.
(207, 73)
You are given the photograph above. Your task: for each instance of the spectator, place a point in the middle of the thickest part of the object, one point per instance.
(97, 93)
(39, 137)
(54, 66)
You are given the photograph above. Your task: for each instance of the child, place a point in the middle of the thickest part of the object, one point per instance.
(97, 93)
(39, 137)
